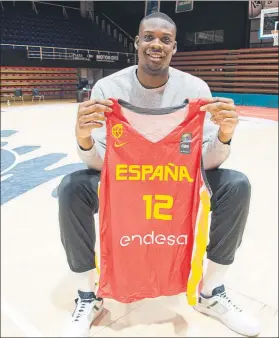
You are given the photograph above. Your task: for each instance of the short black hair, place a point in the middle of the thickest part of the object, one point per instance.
(158, 15)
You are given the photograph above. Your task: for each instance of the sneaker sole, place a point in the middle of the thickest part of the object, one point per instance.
(85, 333)
(208, 313)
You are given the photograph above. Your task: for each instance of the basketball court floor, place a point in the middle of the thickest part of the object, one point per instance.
(37, 149)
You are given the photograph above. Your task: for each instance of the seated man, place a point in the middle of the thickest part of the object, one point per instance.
(153, 84)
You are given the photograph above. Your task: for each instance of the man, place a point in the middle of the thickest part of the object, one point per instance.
(153, 84)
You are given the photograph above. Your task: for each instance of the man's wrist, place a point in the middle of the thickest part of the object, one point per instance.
(85, 144)
(225, 138)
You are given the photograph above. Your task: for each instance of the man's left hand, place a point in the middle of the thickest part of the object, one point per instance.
(223, 113)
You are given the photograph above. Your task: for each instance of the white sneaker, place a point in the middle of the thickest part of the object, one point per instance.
(88, 308)
(221, 307)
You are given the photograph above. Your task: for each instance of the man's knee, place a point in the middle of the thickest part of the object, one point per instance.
(240, 186)
(68, 186)
(78, 185)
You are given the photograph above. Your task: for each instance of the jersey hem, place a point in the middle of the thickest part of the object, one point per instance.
(143, 296)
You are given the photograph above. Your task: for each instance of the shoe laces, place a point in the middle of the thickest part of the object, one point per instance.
(82, 309)
(226, 301)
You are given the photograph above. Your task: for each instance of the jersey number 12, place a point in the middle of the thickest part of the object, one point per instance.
(155, 203)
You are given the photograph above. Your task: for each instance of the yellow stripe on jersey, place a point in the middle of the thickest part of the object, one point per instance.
(97, 264)
(200, 243)
(96, 256)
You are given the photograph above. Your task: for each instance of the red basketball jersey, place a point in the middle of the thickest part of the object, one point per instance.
(154, 207)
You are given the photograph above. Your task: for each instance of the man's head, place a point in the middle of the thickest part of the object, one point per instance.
(156, 43)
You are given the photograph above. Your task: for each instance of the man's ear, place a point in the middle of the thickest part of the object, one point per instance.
(136, 44)
(174, 48)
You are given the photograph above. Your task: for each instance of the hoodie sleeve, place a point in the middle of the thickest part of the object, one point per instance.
(92, 158)
(214, 151)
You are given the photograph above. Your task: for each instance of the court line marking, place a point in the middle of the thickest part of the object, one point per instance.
(15, 162)
(28, 329)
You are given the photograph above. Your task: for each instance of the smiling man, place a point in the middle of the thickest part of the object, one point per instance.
(154, 84)
(153, 59)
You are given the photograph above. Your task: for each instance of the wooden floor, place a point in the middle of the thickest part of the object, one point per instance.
(37, 149)
(258, 112)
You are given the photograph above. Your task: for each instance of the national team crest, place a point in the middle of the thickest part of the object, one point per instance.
(117, 130)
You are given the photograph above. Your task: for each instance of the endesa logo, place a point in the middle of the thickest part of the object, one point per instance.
(153, 239)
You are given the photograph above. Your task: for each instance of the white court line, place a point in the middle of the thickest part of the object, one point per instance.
(3, 178)
(28, 329)
(14, 163)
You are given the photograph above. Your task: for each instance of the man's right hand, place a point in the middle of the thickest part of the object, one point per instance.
(90, 115)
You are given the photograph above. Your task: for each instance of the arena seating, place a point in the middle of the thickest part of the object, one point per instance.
(53, 83)
(233, 71)
(21, 25)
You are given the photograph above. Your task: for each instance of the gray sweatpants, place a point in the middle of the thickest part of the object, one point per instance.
(78, 201)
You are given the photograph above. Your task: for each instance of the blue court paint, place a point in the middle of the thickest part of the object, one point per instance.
(255, 100)
(25, 149)
(54, 193)
(3, 144)
(7, 133)
(7, 160)
(24, 176)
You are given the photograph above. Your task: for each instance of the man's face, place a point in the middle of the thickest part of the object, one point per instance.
(156, 45)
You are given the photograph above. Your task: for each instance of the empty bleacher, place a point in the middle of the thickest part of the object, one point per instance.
(49, 26)
(253, 71)
(53, 83)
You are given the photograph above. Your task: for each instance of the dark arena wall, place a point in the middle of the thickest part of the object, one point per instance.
(214, 43)
(229, 16)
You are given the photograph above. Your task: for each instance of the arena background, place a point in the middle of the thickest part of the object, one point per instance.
(107, 29)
